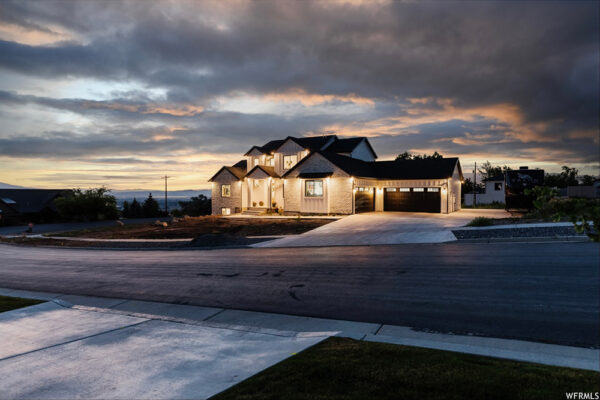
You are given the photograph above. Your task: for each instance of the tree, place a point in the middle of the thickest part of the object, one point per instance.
(87, 205)
(487, 170)
(125, 211)
(409, 156)
(150, 208)
(196, 206)
(588, 180)
(568, 177)
(135, 210)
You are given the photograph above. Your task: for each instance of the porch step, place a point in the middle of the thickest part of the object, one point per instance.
(254, 211)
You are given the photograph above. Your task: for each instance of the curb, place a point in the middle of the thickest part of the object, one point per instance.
(575, 239)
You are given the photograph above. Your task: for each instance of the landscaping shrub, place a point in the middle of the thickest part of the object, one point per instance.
(481, 221)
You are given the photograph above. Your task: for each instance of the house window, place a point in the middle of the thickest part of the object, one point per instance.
(226, 211)
(256, 161)
(405, 189)
(498, 186)
(390, 189)
(271, 161)
(313, 188)
(289, 161)
(433, 189)
(418, 189)
(225, 190)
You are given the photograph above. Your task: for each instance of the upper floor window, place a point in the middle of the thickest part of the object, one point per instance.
(289, 161)
(498, 186)
(256, 161)
(225, 190)
(271, 161)
(313, 188)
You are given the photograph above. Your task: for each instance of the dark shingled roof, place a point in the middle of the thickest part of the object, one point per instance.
(239, 173)
(267, 148)
(266, 169)
(314, 143)
(348, 145)
(243, 164)
(27, 201)
(441, 168)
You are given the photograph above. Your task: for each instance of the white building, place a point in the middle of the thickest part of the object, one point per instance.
(494, 192)
(329, 175)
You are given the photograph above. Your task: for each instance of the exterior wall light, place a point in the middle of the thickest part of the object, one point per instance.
(444, 189)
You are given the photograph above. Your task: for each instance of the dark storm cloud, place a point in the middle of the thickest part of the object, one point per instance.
(541, 57)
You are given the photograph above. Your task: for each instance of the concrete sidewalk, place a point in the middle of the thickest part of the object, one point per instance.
(76, 346)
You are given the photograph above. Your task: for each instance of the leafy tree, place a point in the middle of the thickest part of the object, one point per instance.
(568, 177)
(467, 186)
(125, 211)
(588, 180)
(487, 170)
(88, 205)
(410, 156)
(196, 206)
(150, 208)
(135, 209)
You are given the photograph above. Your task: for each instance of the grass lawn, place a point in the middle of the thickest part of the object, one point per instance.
(193, 227)
(11, 303)
(340, 368)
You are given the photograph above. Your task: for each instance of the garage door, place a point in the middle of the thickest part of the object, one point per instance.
(412, 199)
(364, 200)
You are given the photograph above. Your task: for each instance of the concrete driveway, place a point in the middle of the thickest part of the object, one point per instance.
(386, 228)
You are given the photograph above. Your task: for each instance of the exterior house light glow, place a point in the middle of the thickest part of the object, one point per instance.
(444, 190)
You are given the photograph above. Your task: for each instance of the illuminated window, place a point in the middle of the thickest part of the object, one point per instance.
(433, 189)
(390, 189)
(418, 189)
(225, 190)
(271, 161)
(405, 189)
(289, 161)
(313, 188)
(226, 211)
(256, 161)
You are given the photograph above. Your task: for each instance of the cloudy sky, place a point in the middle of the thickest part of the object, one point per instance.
(119, 93)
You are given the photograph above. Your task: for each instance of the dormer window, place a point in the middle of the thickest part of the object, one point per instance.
(256, 161)
(271, 161)
(289, 161)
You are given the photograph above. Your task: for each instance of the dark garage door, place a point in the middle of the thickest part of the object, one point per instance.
(412, 199)
(364, 200)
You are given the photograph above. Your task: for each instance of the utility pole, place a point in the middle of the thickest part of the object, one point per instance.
(475, 184)
(166, 206)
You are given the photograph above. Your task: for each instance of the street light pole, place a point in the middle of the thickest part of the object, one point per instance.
(166, 206)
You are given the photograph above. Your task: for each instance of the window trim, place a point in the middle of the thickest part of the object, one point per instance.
(225, 208)
(223, 186)
(289, 156)
(322, 195)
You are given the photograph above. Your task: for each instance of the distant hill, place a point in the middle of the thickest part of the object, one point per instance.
(174, 196)
(142, 194)
(7, 186)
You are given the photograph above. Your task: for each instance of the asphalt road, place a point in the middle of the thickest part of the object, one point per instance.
(547, 292)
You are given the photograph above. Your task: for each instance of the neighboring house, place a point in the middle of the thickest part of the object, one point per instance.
(591, 192)
(329, 175)
(493, 192)
(28, 205)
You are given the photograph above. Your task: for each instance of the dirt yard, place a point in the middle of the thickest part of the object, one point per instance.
(194, 227)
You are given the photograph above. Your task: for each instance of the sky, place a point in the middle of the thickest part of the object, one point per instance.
(120, 93)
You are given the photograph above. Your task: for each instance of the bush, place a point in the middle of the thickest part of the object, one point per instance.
(87, 205)
(481, 221)
(195, 207)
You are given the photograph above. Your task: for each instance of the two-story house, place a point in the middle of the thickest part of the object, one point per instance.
(330, 175)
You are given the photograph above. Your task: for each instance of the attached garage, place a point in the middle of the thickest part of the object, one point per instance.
(413, 199)
(364, 200)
